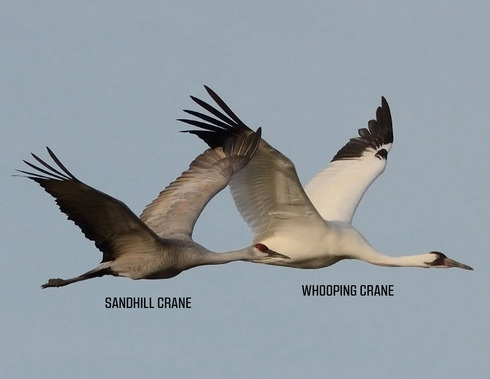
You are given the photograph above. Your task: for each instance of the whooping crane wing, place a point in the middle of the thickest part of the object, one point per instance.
(337, 190)
(267, 192)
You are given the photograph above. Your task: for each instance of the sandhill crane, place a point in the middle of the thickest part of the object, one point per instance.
(158, 245)
(313, 227)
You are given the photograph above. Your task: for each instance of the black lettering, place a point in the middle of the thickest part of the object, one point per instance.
(329, 290)
(315, 290)
(174, 302)
(377, 290)
(306, 290)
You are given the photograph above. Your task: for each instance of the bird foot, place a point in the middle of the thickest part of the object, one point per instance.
(57, 282)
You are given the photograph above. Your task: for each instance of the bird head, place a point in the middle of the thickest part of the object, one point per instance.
(440, 260)
(262, 253)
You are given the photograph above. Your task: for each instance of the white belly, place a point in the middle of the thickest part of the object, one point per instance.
(315, 248)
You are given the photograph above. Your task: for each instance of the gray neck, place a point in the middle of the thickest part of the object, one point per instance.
(203, 256)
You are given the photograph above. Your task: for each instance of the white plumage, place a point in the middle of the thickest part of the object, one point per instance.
(337, 190)
(313, 227)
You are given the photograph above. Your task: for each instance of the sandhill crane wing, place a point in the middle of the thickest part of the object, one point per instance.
(103, 219)
(175, 211)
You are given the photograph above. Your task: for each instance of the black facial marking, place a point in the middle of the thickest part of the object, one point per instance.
(439, 261)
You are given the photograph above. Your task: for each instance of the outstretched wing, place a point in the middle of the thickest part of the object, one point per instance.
(175, 211)
(267, 192)
(108, 222)
(337, 190)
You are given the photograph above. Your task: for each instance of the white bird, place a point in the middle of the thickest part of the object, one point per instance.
(313, 227)
(158, 245)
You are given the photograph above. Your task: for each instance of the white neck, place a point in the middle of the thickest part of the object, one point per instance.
(375, 257)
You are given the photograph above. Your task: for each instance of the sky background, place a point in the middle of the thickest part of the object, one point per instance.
(102, 84)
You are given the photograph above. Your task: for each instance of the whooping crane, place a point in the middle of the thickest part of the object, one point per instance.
(311, 226)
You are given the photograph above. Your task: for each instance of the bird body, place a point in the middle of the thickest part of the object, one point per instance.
(311, 226)
(158, 245)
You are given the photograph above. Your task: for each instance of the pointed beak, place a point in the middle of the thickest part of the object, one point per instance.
(270, 253)
(274, 254)
(452, 263)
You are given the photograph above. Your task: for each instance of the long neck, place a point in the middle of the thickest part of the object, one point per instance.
(349, 243)
(204, 256)
(373, 256)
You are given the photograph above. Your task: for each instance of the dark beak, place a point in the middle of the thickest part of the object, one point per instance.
(452, 263)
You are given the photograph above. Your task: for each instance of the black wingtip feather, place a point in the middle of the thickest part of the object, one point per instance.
(378, 132)
(46, 171)
(223, 105)
(58, 162)
(218, 129)
(212, 139)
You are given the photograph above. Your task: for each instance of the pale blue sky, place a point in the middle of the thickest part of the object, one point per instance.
(102, 83)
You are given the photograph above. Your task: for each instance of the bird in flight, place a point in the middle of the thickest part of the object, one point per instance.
(157, 245)
(312, 226)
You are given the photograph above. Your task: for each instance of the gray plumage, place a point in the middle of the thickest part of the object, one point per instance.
(159, 244)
